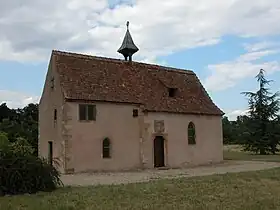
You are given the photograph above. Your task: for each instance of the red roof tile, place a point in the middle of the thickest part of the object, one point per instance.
(93, 78)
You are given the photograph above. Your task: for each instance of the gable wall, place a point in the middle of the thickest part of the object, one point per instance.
(48, 130)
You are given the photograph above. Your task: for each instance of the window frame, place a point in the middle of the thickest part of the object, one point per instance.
(172, 92)
(50, 152)
(86, 112)
(52, 82)
(191, 136)
(135, 113)
(55, 115)
(106, 149)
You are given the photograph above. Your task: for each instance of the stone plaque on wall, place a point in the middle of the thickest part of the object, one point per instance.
(159, 126)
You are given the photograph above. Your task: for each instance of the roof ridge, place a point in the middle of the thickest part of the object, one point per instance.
(85, 56)
(168, 68)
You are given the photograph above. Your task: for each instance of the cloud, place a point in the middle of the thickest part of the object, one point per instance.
(232, 115)
(261, 46)
(228, 74)
(17, 99)
(31, 29)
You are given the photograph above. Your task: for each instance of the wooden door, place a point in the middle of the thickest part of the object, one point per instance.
(159, 151)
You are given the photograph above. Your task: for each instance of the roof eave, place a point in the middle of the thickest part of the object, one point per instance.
(186, 112)
(70, 99)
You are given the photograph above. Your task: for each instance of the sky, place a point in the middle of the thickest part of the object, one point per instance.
(224, 42)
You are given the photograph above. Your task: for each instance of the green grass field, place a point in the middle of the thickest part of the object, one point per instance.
(234, 152)
(250, 190)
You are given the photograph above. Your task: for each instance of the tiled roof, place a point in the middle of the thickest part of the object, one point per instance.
(92, 78)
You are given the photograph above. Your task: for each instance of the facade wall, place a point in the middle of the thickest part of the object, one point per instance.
(132, 139)
(114, 121)
(49, 130)
(178, 153)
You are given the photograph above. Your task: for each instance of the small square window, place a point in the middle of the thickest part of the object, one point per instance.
(172, 92)
(135, 112)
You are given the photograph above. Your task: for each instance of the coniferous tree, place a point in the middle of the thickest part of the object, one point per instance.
(262, 133)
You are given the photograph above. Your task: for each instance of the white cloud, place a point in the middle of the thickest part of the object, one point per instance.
(228, 74)
(233, 114)
(17, 99)
(261, 46)
(256, 55)
(31, 29)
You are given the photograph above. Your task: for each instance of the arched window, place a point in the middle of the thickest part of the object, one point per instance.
(106, 148)
(191, 133)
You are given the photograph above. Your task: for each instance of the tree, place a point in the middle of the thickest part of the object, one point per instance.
(22, 147)
(28, 117)
(5, 112)
(233, 131)
(4, 141)
(20, 123)
(241, 128)
(263, 118)
(227, 131)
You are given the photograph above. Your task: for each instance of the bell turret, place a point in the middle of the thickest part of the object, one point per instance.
(128, 47)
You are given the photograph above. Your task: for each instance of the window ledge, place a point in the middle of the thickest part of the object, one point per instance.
(87, 121)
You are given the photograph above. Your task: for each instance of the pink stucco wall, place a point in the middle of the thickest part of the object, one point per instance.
(178, 153)
(49, 130)
(116, 122)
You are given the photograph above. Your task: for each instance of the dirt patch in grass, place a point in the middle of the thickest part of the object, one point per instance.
(247, 190)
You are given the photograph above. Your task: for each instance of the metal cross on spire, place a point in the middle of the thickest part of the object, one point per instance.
(127, 25)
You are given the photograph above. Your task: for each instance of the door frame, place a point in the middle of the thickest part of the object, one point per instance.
(50, 152)
(165, 149)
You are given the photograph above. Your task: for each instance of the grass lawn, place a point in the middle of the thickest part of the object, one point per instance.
(234, 152)
(249, 190)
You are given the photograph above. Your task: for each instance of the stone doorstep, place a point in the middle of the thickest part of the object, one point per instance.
(163, 168)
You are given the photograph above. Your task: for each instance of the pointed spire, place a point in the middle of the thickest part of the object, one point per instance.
(128, 48)
(127, 25)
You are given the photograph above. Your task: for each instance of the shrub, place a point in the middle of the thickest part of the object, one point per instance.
(4, 141)
(22, 147)
(21, 172)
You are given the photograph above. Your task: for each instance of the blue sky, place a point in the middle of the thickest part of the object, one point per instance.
(230, 48)
(224, 43)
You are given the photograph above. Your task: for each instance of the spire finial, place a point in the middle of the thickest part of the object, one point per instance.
(128, 48)
(127, 24)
